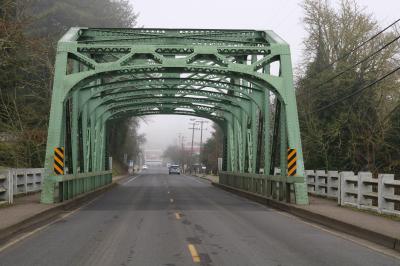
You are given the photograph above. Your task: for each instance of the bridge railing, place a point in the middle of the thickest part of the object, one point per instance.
(70, 186)
(21, 181)
(324, 183)
(361, 190)
(277, 187)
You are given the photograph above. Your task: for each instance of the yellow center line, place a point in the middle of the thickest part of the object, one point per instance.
(193, 252)
(178, 216)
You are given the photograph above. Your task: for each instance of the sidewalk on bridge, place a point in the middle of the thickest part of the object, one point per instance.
(389, 226)
(22, 209)
(326, 208)
(27, 207)
(212, 178)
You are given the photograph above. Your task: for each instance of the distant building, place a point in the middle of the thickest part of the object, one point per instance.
(153, 156)
(188, 146)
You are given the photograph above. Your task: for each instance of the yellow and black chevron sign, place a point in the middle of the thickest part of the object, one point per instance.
(59, 161)
(292, 162)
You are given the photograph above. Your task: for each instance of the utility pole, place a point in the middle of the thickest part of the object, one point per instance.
(183, 152)
(201, 134)
(193, 128)
(182, 143)
(181, 139)
(201, 122)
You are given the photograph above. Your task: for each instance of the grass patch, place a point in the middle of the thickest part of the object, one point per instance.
(119, 169)
(5, 205)
(4, 168)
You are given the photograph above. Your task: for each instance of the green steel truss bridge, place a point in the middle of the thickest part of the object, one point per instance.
(223, 75)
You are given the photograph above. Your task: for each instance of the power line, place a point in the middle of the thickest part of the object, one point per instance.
(365, 42)
(358, 63)
(360, 45)
(356, 91)
(365, 59)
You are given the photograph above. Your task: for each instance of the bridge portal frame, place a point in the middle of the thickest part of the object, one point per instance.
(222, 75)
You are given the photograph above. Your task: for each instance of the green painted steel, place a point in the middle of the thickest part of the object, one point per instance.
(71, 186)
(262, 184)
(226, 76)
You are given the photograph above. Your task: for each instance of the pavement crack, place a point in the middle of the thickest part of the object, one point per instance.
(194, 240)
(199, 228)
(139, 225)
(205, 259)
(186, 222)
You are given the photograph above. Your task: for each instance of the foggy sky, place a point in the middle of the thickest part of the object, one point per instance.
(284, 17)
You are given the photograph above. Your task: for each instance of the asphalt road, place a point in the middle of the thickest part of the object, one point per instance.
(161, 219)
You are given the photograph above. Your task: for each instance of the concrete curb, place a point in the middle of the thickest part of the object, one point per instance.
(205, 178)
(351, 229)
(202, 177)
(48, 215)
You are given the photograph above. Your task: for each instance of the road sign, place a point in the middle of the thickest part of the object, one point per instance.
(292, 162)
(58, 161)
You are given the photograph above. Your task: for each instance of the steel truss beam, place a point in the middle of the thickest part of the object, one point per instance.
(223, 75)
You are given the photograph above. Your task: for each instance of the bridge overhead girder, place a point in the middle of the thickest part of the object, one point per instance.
(224, 75)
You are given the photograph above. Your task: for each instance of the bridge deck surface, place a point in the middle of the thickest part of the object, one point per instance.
(386, 225)
(22, 209)
(25, 208)
(161, 219)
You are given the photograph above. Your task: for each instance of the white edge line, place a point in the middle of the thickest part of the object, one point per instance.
(130, 180)
(195, 179)
(37, 230)
(356, 240)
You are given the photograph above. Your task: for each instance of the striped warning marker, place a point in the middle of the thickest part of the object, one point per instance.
(292, 162)
(58, 161)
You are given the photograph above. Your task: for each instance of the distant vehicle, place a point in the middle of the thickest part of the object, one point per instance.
(144, 167)
(174, 169)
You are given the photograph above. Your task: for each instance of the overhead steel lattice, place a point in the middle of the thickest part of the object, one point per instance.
(240, 79)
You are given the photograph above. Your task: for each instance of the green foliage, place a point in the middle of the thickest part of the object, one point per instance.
(53, 18)
(124, 139)
(212, 150)
(28, 34)
(354, 134)
(177, 155)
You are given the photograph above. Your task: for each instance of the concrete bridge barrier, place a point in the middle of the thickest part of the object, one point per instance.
(22, 181)
(359, 190)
